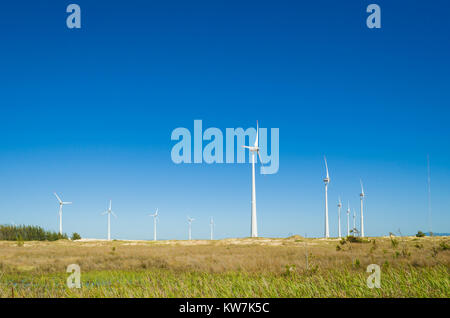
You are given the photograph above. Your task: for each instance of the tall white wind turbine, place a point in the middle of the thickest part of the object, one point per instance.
(190, 220)
(255, 148)
(339, 217)
(362, 195)
(348, 219)
(155, 219)
(61, 203)
(430, 227)
(326, 181)
(211, 224)
(109, 212)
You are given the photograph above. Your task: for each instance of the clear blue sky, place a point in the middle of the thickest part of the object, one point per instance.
(88, 113)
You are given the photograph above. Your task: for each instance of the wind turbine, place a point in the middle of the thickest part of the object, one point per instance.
(155, 219)
(348, 219)
(362, 195)
(354, 222)
(326, 181)
(61, 203)
(430, 228)
(109, 212)
(339, 217)
(190, 220)
(255, 148)
(211, 223)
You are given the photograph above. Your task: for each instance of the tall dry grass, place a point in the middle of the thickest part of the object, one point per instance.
(293, 267)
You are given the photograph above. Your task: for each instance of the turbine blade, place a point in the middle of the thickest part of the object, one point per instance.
(104, 213)
(114, 214)
(66, 202)
(110, 204)
(326, 166)
(257, 134)
(362, 189)
(246, 147)
(57, 197)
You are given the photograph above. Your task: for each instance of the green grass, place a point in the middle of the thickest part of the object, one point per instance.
(346, 282)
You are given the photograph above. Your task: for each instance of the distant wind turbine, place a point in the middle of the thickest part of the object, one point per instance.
(253, 149)
(155, 219)
(326, 181)
(109, 212)
(348, 219)
(354, 222)
(339, 217)
(211, 223)
(61, 203)
(362, 195)
(190, 220)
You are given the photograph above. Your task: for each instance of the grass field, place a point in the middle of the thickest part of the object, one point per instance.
(291, 267)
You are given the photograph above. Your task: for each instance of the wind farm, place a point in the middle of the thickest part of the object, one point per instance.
(283, 261)
(252, 150)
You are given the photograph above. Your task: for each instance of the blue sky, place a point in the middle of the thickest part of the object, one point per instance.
(89, 113)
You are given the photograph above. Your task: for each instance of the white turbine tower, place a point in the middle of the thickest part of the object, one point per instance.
(326, 181)
(430, 227)
(155, 219)
(190, 220)
(255, 148)
(211, 224)
(61, 203)
(109, 212)
(348, 219)
(339, 217)
(362, 195)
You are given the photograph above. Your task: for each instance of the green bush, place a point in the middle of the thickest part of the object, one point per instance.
(420, 234)
(356, 239)
(75, 236)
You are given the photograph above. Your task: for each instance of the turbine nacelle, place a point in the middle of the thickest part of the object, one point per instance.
(60, 201)
(109, 211)
(255, 147)
(327, 178)
(154, 215)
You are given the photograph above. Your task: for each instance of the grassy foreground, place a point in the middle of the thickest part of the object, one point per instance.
(293, 267)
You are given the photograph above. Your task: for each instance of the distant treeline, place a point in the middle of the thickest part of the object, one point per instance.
(28, 233)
